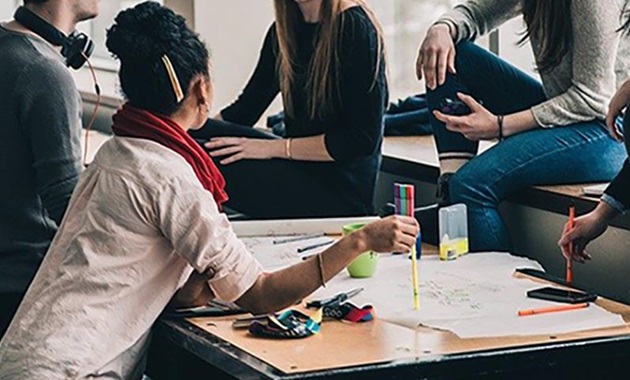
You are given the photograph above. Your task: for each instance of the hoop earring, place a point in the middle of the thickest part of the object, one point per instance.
(205, 110)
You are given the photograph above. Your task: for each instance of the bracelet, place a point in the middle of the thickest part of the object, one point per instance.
(320, 264)
(500, 122)
(287, 148)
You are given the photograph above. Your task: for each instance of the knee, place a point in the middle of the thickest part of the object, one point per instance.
(466, 47)
(470, 61)
(465, 52)
(467, 186)
(458, 187)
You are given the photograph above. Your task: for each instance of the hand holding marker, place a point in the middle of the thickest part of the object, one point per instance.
(404, 198)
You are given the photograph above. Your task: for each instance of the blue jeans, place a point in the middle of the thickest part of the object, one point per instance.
(579, 153)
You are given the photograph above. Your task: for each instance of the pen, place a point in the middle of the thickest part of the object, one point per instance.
(297, 238)
(306, 257)
(569, 275)
(334, 300)
(203, 311)
(244, 322)
(309, 247)
(552, 309)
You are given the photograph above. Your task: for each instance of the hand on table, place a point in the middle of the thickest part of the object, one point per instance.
(232, 149)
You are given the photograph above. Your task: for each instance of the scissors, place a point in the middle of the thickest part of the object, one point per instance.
(335, 300)
(214, 308)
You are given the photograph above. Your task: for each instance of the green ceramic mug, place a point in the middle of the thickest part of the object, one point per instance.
(364, 265)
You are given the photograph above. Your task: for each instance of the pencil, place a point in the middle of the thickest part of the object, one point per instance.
(552, 309)
(569, 275)
(309, 247)
(297, 238)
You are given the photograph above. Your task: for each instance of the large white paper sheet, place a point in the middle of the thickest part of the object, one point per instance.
(255, 228)
(473, 296)
(277, 256)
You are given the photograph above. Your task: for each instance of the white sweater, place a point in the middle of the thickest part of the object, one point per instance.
(138, 223)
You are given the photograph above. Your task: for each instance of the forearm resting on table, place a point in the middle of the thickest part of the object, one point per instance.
(277, 290)
(195, 292)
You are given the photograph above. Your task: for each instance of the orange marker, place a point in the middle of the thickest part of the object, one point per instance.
(552, 309)
(569, 276)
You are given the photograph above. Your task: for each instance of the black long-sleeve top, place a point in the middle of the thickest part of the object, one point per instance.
(617, 194)
(353, 131)
(619, 188)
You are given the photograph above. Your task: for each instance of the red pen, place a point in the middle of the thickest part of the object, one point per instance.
(569, 276)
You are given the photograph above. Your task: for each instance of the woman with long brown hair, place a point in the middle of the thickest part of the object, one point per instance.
(548, 133)
(326, 59)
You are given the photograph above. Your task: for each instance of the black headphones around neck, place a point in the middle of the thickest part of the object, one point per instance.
(75, 47)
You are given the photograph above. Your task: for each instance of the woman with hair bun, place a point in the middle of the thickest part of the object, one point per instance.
(144, 226)
(326, 59)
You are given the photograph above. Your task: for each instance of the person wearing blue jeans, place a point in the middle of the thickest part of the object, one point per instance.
(549, 133)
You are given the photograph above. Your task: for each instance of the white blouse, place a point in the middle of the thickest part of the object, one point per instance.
(137, 225)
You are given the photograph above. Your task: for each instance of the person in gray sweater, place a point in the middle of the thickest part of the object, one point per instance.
(40, 154)
(548, 133)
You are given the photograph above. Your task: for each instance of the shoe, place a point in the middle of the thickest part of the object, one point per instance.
(442, 192)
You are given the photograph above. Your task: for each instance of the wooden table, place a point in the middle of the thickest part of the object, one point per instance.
(210, 348)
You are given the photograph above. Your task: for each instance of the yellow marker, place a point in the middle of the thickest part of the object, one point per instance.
(414, 277)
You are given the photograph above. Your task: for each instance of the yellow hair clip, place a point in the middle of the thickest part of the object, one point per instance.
(172, 75)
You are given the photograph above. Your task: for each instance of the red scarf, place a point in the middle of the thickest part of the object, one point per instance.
(134, 122)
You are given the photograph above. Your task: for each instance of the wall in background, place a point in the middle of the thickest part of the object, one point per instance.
(6, 10)
(405, 23)
(234, 30)
(519, 55)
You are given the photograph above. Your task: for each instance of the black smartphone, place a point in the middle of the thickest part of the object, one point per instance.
(453, 107)
(561, 295)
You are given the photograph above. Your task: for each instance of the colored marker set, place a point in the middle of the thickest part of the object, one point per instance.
(404, 196)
